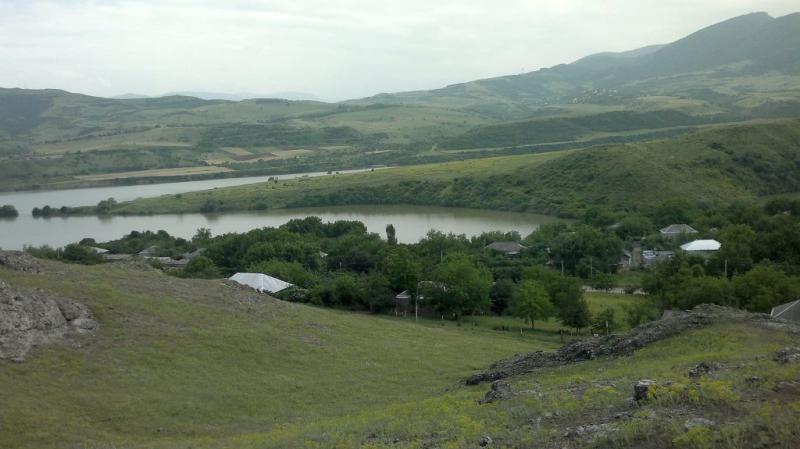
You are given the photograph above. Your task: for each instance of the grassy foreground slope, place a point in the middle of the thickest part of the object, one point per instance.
(718, 164)
(179, 363)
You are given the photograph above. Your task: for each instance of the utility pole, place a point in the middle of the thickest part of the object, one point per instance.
(416, 305)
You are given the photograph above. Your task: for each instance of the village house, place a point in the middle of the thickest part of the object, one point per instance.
(652, 257)
(701, 247)
(260, 282)
(789, 311)
(507, 248)
(676, 230)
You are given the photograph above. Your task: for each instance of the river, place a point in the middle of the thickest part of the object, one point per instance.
(411, 222)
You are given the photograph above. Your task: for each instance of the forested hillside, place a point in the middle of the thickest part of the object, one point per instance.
(721, 164)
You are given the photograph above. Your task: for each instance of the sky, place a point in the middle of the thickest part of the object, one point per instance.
(334, 49)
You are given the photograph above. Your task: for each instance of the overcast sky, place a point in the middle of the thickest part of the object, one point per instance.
(335, 49)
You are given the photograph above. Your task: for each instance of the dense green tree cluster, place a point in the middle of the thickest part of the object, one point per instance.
(8, 211)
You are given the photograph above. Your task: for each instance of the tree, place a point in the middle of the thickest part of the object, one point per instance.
(562, 290)
(604, 320)
(462, 287)
(639, 312)
(501, 295)
(764, 287)
(634, 226)
(531, 302)
(202, 235)
(737, 247)
(378, 295)
(704, 290)
(343, 290)
(8, 211)
(673, 211)
(586, 250)
(402, 268)
(104, 207)
(391, 234)
(81, 254)
(574, 313)
(602, 281)
(201, 267)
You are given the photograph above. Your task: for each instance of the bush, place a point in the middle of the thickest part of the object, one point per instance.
(602, 281)
(604, 321)
(81, 254)
(639, 313)
(8, 211)
(201, 267)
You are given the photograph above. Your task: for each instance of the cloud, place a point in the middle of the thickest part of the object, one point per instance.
(336, 49)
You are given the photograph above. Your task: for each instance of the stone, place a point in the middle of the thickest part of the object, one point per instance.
(701, 369)
(791, 387)
(642, 389)
(698, 422)
(500, 389)
(485, 441)
(20, 261)
(618, 344)
(787, 355)
(32, 319)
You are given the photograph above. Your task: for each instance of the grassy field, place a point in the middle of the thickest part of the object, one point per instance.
(185, 360)
(543, 330)
(181, 364)
(184, 171)
(719, 164)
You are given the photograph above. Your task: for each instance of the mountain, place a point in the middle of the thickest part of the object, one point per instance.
(129, 96)
(293, 96)
(738, 70)
(749, 45)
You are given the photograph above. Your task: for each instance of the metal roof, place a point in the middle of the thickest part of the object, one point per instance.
(701, 245)
(261, 282)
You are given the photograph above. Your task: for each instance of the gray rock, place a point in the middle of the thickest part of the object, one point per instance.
(20, 261)
(619, 345)
(698, 422)
(791, 387)
(787, 355)
(701, 369)
(485, 441)
(641, 390)
(500, 390)
(33, 319)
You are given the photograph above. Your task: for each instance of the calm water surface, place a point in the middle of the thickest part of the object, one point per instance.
(411, 222)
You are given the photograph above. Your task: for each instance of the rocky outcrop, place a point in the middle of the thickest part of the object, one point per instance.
(19, 261)
(787, 355)
(32, 319)
(669, 325)
(500, 390)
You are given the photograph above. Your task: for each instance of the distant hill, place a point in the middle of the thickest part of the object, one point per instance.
(294, 96)
(722, 164)
(741, 69)
(749, 45)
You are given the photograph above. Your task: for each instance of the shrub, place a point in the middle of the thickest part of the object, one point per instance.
(8, 211)
(81, 254)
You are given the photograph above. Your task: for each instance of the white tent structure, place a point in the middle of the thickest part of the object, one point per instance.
(261, 282)
(701, 245)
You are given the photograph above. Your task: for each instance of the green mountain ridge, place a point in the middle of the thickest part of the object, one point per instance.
(742, 69)
(718, 165)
